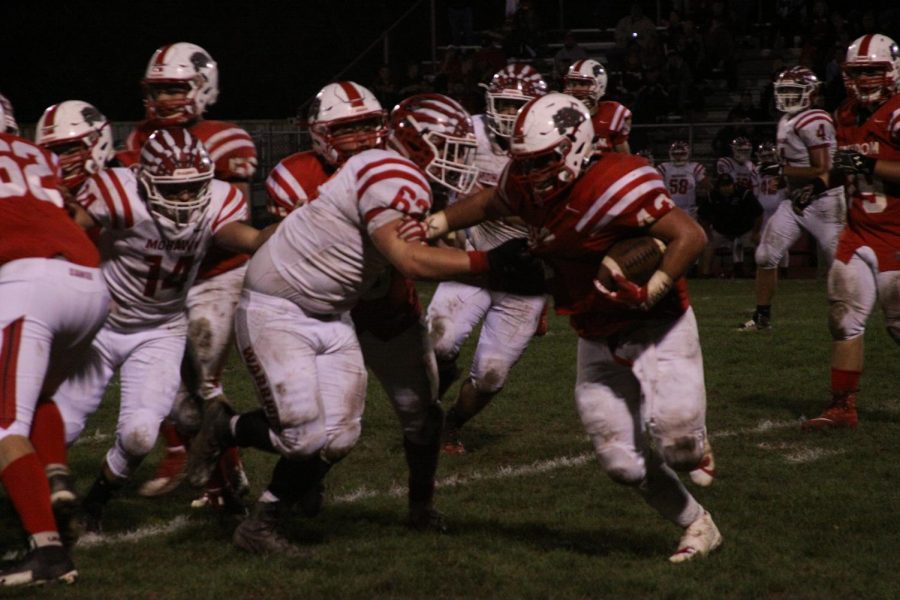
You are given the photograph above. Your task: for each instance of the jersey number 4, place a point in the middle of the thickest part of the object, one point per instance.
(174, 279)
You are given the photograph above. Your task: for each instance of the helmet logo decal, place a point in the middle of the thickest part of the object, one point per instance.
(567, 117)
(199, 60)
(91, 115)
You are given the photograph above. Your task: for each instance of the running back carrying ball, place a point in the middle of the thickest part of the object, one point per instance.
(635, 259)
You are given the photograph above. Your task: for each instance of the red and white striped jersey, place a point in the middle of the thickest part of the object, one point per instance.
(612, 125)
(149, 264)
(743, 174)
(681, 181)
(33, 222)
(322, 249)
(294, 181)
(230, 147)
(618, 197)
(873, 216)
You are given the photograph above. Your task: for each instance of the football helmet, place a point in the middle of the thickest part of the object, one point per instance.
(767, 152)
(510, 88)
(8, 116)
(647, 155)
(80, 135)
(436, 133)
(679, 152)
(586, 80)
(174, 171)
(345, 118)
(741, 149)
(181, 81)
(551, 144)
(795, 89)
(872, 69)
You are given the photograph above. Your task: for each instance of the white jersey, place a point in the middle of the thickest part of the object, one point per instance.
(322, 249)
(743, 173)
(490, 159)
(681, 181)
(149, 264)
(771, 194)
(803, 132)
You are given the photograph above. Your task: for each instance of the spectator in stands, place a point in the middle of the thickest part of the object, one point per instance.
(385, 86)
(568, 54)
(679, 82)
(490, 58)
(732, 216)
(652, 101)
(413, 82)
(632, 77)
(767, 95)
(833, 87)
(635, 26)
(745, 110)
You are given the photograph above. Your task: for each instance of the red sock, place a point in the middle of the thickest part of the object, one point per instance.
(843, 381)
(27, 488)
(169, 432)
(48, 434)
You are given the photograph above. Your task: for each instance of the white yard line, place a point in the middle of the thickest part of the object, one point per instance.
(503, 472)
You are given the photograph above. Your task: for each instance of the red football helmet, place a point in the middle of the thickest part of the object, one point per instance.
(80, 135)
(872, 69)
(551, 144)
(795, 89)
(175, 173)
(7, 116)
(436, 133)
(741, 149)
(510, 88)
(679, 152)
(180, 82)
(345, 119)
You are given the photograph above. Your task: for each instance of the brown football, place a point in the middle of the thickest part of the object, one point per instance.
(636, 259)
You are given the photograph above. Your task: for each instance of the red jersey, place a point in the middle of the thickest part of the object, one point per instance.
(33, 220)
(612, 124)
(873, 216)
(385, 312)
(234, 156)
(619, 196)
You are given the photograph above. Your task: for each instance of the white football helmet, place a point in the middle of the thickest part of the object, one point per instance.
(551, 144)
(344, 119)
(872, 69)
(741, 149)
(175, 172)
(436, 133)
(679, 153)
(586, 80)
(7, 116)
(767, 152)
(510, 88)
(185, 71)
(795, 89)
(80, 135)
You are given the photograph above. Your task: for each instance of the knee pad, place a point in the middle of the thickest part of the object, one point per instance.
(300, 443)
(491, 377)
(622, 465)
(341, 443)
(765, 257)
(843, 322)
(440, 332)
(682, 453)
(137, 437)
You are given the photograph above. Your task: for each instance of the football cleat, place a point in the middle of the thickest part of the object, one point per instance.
(699, 539)
(452, 444)
(64, 501)
(311, 502)
(42, 564)
(426, 519)
(207, 446)
(259, 534)
(169, 475)
(757, 323)
(705, 473)
(840, 413)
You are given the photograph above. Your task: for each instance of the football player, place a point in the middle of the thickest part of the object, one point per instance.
(180, 83)
(346, 119)
(867, 262)
(684, 178)
(640, 370)
(294, 329)
(52, 302)
(806, 143)
(739, 165)
(157, 221)
(456, 308)
(586, 80)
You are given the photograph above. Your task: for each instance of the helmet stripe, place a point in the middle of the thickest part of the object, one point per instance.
(353, 95)
(50, 116)
(161, 57)
(863, 50)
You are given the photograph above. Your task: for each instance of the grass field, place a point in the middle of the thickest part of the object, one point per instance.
(530, 513)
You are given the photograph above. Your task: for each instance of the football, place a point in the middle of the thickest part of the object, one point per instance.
(636, 259)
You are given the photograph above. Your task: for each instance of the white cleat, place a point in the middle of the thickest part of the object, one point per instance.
(705, 473)
(699, 539)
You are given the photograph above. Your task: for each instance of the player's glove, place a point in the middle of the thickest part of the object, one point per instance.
(511, 268)
(804, 195)
(850, 162)
(633, 295)
(412, 230)
(772, 169)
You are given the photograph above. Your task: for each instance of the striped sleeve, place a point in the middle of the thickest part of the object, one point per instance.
(699, 172)
(723, 165)
(816, 129)
(389, 188)
(233, 210)
(620, 126)
(284, 191)
(636, 199)
(893, 126)
(104, 197)
(233, 153)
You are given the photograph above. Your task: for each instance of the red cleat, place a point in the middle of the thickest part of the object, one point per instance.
(169, 474)
(840, 413)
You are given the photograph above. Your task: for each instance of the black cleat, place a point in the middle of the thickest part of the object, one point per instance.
(207, 446)
(259, 533)
(41, 565)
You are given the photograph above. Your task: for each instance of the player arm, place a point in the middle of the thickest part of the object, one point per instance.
(484, 205)
(888, 170)
(81, 217)
(240, 237)
(819, 164)
(419, 261)
(622, 147)
(684, 239)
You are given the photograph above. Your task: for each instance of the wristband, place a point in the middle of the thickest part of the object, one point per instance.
(478, 262)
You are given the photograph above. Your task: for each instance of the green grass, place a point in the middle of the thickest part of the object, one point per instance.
(803, 515)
